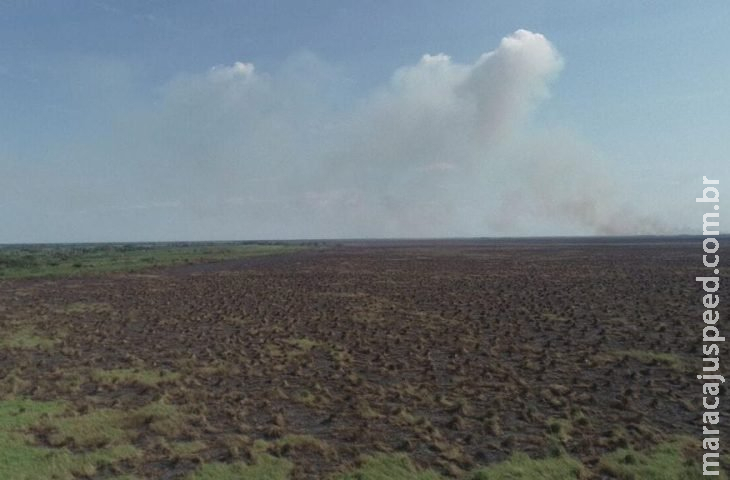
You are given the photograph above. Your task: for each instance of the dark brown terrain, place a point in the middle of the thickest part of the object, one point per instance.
(454, 353)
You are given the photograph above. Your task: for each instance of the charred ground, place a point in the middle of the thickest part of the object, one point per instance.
(450, 355)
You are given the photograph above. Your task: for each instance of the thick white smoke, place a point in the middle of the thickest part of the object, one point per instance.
(437, 151)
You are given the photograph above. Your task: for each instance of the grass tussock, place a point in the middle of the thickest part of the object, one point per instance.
(263, 467)
(389, 467)
(521, 467)
(147, 378)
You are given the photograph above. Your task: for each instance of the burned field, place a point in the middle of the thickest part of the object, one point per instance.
(376, 360)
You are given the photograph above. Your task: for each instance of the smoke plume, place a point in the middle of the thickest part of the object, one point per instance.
(441, 149)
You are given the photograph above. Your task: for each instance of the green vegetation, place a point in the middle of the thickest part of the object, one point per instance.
(264, 467)
(389, 467)
(674, 460)
(27, 337)
(520, 466)
(148, 378)
(105, 426)
(560, 429)
(21, 459)
(98, 428)
(79, 444)
(18, 414)
(64, 260)
(186, 449)
(668, 461)
(296, 441)
(266, 461)
(104, 436)
(160, 417)
(304, 344)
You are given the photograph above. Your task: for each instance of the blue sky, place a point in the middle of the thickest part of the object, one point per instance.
(115, 126)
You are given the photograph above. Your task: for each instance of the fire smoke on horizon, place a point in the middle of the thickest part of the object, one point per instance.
(442, 149)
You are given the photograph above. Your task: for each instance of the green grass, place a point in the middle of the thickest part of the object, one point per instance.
(21, 459)
(148, 378)
(389, 467)
(95, 429)
(20, 413)
(518, 467)
(521, 467)
(106, 426)
(187, 449)
(675, 460)
(305, 442)
(160, 417)
(264, 467)
(69, 260)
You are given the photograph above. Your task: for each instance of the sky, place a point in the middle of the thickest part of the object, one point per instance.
(243, 120)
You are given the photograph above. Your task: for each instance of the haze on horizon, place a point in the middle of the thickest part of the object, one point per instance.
(144, 121)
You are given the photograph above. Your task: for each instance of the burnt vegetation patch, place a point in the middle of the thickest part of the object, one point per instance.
(430, 359)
